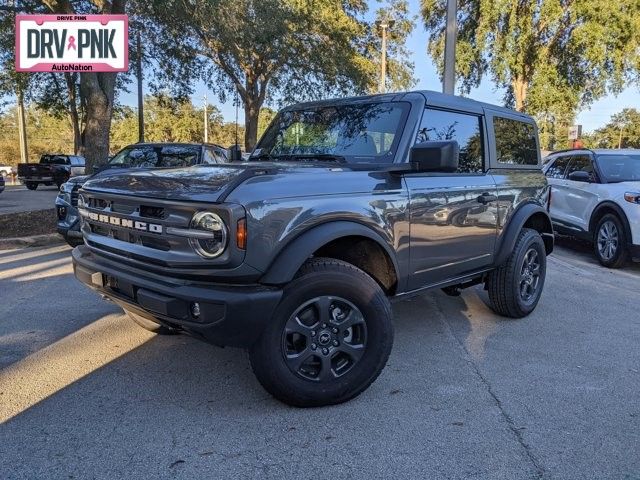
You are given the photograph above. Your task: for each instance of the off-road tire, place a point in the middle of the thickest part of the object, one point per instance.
(31, 185)
(504, 283)
(150, 324)
(621, 255)
(320, 278)
(73, 242)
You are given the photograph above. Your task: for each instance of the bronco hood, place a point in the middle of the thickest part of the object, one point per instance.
(195, 184)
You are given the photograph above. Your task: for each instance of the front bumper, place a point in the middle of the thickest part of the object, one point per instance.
(229, 315)
(68, 219)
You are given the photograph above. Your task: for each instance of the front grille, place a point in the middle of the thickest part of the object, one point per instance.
(137, 228)
(74, 195)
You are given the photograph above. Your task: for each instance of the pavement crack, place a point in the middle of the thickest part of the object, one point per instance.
(517, 432)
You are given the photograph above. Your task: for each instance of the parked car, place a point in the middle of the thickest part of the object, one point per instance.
(139, 155)
(596, 196)
(5, 170)
(52, 169)
(1, 183)
(297, 253)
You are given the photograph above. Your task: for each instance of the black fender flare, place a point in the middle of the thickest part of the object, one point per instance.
(515, 225)
(606, 204)
(297, 251)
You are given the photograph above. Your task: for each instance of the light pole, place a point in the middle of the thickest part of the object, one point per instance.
(620, 137)
(384, 25)
(449, 80)
(206, 121)
(140, 99)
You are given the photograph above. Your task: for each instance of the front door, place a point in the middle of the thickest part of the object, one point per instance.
(454, 216)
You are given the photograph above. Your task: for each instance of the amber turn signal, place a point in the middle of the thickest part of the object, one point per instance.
(241, 234)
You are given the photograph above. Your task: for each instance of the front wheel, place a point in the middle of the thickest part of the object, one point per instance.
(31, 185)
(609, 242)
(329, 339)
(515, 287)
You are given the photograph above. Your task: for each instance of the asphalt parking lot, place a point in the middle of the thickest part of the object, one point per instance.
(17, 198)
(85, 393)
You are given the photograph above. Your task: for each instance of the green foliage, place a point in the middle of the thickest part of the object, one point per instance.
(622, 130)
(267, 50)
(399, 67)
(552, 56)
(46, 133)
(166, 120)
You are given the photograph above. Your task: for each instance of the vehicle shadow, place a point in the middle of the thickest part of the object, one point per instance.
(583, 250)
(176, 405)
(42, 302)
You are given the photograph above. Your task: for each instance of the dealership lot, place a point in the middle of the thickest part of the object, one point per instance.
(85, 393)
(17, 198)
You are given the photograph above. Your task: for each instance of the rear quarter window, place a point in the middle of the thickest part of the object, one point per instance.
(515, 142)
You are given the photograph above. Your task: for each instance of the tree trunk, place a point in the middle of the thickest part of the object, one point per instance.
(97, 89)
(22, 129)
(74, 117)
(251, 113)
(520, 86)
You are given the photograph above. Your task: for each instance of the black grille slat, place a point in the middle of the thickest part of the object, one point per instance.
(123, 208)
(74, 195)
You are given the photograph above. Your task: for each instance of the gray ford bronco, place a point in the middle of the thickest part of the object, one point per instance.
(343, 207)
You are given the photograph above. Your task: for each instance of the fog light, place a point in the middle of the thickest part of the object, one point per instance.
(62, 213)
(195, 309)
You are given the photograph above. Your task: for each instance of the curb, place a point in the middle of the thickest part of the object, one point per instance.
(33, 241)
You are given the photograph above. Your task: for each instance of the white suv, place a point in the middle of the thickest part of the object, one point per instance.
(595, 195)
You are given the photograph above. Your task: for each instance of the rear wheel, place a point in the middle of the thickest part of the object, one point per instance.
(329, 339)
(31, 185)
(515, 287)
(150, 324)
(609, 242)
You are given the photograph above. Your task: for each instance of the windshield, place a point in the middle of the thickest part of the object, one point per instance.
(156, 156)
(620, 167)
(365, 133)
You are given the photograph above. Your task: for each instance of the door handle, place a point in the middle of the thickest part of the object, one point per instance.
(487, 198)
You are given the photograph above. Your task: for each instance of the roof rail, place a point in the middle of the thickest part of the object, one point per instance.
(572, 150)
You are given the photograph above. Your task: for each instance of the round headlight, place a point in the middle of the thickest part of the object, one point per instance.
(214, 239)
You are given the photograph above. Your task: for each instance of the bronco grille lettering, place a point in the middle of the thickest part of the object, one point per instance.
(121, 222)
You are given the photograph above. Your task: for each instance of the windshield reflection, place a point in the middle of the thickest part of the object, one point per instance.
(366, 133)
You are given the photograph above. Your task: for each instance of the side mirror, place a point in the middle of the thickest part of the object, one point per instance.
(580, 176)
(235, 153)
(435, 156)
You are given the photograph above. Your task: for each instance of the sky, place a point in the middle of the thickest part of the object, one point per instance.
(427, 79)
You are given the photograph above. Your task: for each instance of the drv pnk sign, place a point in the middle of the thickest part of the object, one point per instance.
(72, 43)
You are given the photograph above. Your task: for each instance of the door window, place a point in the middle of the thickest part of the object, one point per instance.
(515, 142)
(209, 157)
(558, 167)
(466, 129)
(581, 163)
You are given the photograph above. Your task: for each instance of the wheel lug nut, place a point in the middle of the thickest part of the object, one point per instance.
(336, 343)
(324, 325)
(313, 346)
(313, 333)
(334, 330)
(325, 351)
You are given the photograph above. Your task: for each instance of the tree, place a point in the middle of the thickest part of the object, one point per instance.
(170, 120)
(399, 66)
(623, 130)
(280, 50)
(550, 55)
